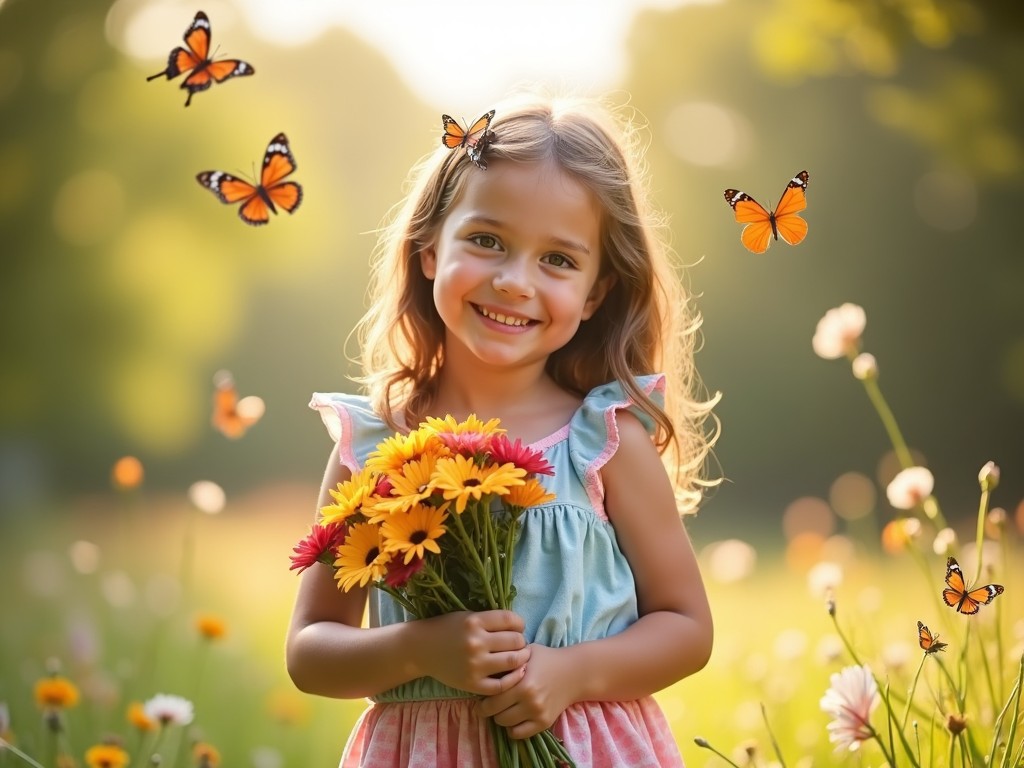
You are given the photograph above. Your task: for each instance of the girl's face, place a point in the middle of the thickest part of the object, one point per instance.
(515, 264)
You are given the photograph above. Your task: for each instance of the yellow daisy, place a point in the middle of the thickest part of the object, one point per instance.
(460, 479)
(411, 485)
(471, 424)
(415, 531)
(349, 498)
(530, 494)
(361, 558)
(396, 450)
(139, 719)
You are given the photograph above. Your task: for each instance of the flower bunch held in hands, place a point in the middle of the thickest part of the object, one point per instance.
(432, 519)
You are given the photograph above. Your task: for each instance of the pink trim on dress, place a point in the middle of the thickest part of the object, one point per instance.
(592, 481)
(553, 439)
(338, 421)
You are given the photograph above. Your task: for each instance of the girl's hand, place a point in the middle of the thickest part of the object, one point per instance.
(536, 701)
(483, 652)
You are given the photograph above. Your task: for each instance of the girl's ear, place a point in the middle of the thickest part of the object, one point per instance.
(428, 261)
(597, 294)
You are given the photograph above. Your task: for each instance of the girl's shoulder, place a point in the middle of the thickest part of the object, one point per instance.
(352, 423)
(594, 431)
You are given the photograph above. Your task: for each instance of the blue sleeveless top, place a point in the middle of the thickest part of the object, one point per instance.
(573, 581)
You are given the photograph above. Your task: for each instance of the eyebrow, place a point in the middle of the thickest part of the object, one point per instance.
(571, 245)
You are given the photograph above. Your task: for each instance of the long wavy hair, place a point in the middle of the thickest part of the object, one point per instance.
(647, 323)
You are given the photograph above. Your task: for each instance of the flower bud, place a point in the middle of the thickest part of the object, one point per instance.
(956, 723)
(865, 366)
(988, 477)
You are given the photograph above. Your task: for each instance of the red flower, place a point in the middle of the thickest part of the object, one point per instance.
(318, 546)
(399, 573)
(504, 451)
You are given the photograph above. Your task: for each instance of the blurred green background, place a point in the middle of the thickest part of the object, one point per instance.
(124, 286)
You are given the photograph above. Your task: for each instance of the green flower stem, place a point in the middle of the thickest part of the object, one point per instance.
(6, 745)
(988, 672)
(703, 744)
(953, 687)
(979, 536)
(906, 459)
(440, 583)
(491, 537)
(1012, 735)
(473, 553)
(890, 716)
(913, 689)
(771, 735)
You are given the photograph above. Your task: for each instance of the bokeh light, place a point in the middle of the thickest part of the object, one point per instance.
(729, 561)
(706, 134)
(207, 497)
(127, 473)
(808, 514)
(853, 495)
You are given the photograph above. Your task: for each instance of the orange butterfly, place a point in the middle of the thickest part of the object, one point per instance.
(203, 71)
(762, 225)
(259, 200)
(233, 417)
(966, 601)
(929, 643)
(475, 140)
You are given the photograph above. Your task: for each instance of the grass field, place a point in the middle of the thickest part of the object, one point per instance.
(111, 587)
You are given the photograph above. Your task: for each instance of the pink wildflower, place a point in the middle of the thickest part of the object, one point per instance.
(504, 451)
(850, 700)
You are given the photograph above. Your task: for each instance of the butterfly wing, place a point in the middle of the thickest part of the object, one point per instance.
(197, 38)
(757, 233)
(233, 417)
(231, 189)
(453, 136)
(790, 226)
(279, 162)
(929, 643)
(957, 596)
(479, 129)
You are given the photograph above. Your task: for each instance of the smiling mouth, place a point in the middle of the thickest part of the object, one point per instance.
(498, 317)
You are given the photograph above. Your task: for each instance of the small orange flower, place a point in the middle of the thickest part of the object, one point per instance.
(106, 756)
(139, 719)
(127, 473)
(205, 755)
(56, 692)
(211, 627)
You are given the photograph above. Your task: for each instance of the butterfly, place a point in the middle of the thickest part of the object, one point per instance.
(929, 643)
(967, 601)
(762, 225)
(203, 71)
(233, 417)
(477, 139)
(259, 200)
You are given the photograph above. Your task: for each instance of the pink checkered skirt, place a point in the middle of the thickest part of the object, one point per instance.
(447, 733)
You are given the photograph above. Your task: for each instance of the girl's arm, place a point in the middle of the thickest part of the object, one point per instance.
(673, 636)
(330, 653)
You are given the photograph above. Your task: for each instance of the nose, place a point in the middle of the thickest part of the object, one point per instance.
(512, 278)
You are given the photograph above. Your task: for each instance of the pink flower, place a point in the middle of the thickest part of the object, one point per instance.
(910, 487)
(399, 573)
(839, 331)
(852, 697)
(468, 444)
(318, 546)
(504, 451)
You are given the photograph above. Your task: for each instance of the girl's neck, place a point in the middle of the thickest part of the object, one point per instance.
(530, 405)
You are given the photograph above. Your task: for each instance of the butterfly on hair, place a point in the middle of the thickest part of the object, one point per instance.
(259, 200)
(761, 225)
(195, 59)
(476, 139)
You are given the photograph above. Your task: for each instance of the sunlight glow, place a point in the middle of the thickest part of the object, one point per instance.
(458, 55)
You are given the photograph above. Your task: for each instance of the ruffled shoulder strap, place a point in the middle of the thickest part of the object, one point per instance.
(594, 430)
(352, 424)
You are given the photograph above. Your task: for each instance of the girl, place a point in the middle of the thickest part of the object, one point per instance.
(537, 292)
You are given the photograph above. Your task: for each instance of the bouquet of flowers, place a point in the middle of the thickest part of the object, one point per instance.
(432, 519)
